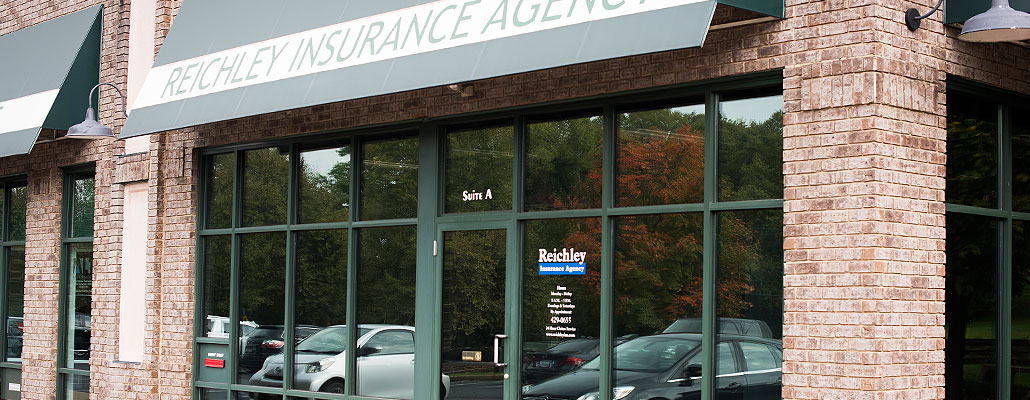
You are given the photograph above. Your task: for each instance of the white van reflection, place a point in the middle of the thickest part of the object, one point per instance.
(386, 362)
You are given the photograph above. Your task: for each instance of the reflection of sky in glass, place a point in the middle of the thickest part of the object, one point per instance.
(323, 161)
(755, 110)
(687, 110)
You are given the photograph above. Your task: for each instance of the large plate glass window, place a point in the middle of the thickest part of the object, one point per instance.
(987, 213)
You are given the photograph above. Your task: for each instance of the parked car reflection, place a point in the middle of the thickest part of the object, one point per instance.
(668, 366)
(265, 341)
(386, 361)
(563, 357)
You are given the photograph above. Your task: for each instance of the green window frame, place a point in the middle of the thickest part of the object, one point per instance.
(77, 207)
(12, 238)
(996, 208)
(431, 212)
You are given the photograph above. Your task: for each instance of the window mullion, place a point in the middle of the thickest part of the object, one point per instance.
(708, 341)
(1005, 242)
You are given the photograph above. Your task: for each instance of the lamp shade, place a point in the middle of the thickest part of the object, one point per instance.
(1000, 23)
(89, 128)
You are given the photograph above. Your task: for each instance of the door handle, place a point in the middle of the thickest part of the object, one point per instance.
(497, 349)
(734, 386)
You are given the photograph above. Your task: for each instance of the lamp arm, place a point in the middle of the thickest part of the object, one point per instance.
(912, 17)
(937, 7)
(90, 98)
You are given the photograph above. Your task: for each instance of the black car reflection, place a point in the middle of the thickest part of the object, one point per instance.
(733, 326)
(561, 358)
(265, 341)
(668, 366)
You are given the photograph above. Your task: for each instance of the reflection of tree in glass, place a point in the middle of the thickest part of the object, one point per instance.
(82, 207)
(658, 271)
(971, 306)
(262, 277)
(324, 195)
(265, 186)
(560, 158)
(389, 180)
(478, 160)
(216, 275)
(321, 278)
(972, 169)
(219, 190)
(16, 220)
(751, 159)
(661, 158)
(386, 275)
(750, 266)
(473, 298)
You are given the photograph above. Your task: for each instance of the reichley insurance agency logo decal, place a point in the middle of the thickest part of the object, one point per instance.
(567, 261)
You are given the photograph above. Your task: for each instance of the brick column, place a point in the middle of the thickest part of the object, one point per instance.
(864, 164)
(42, 274)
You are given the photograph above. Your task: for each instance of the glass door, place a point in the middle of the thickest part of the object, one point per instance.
(477, 311)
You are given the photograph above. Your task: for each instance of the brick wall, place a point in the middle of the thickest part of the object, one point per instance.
(864, 152)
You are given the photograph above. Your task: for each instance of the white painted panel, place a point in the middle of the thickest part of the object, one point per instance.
(132, 318)
(137, 144)
(142, 21)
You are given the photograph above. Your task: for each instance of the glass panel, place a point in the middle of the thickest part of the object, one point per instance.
(479, 169)
(658, 274)
(389, 179)
(661, 156)
(561, 306)
(751, 149)
(216, 286)
(324, 185)
(473, 312)
(80, 294)
(971, 307)
(1021, 159)
(972, 173)
(750, 273)
(658, 288)
(1020, 309)
(83, 190)
(76, 387)
(16, 223)
(15, 302)
(563, 164)
(265, 186)
(213, 394)
(262, 299)
(219, 190)
(321, 302)
(386, 296)
(749, 267)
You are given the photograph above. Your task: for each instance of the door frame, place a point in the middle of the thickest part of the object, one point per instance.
(512, 298)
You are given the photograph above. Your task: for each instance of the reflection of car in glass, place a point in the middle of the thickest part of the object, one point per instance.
(560, 358)
(218, 327)
(266, 341)
(386, 361)
(668, 366)
(15, 331)
(732, 326)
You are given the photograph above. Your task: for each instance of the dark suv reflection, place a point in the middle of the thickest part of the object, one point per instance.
(668, 366)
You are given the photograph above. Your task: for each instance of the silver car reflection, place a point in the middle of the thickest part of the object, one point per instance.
(386, 362)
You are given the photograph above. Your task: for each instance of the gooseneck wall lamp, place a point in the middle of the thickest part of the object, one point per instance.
(90, 128)
(1000, 23)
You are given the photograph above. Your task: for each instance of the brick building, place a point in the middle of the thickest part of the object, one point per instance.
(810, 199)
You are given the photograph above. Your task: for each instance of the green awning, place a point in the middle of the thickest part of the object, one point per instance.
(45, 77)
(235, 58)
